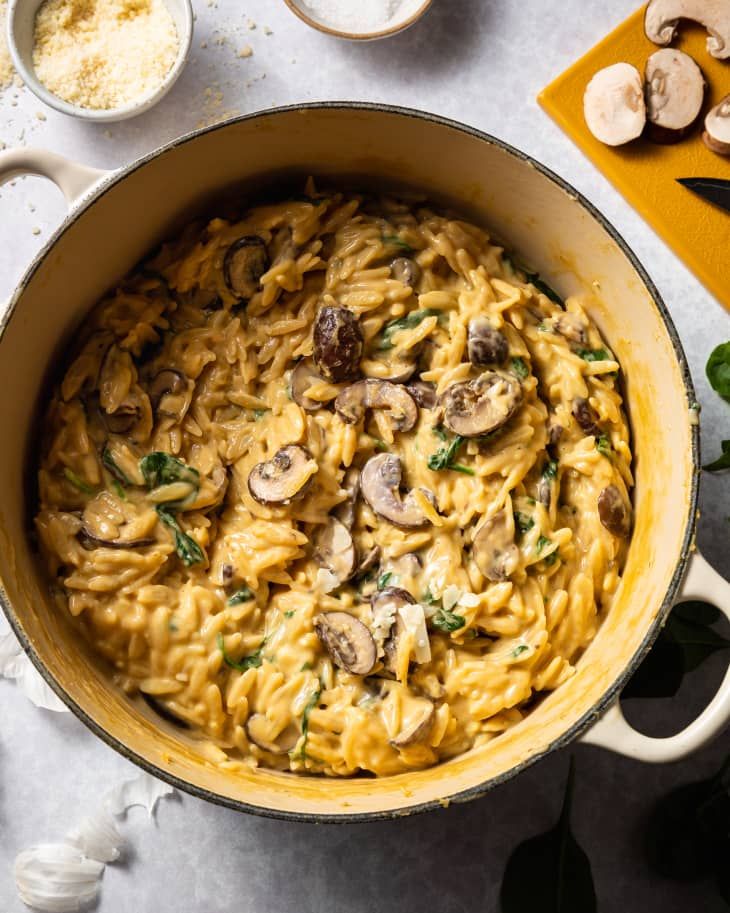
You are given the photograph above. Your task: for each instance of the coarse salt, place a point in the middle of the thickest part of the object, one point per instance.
(353, 15)
(103, 54)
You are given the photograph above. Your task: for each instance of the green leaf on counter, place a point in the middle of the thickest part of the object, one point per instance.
(447, 621)
(550, 872)
(252, 661)
(718, 370)
(722, 462)
(519, 367)
(186, 547)
(543, 287)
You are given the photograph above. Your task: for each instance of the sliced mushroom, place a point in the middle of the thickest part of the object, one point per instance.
(717, 128)
(380, 483)
(345, 511)
(390, 366)
(613, 104)
(124, 418)
(423, 393)
(417, 723)
(303, 377)
(284, 477)
(662, 18)
(675, 91)
(261, 731)
(477, 407)
(486, 345)
(244, 264)
(572, 327)
(494, 549)
(163, 711)
(338, 344)
(613, 512)
(347, 641)
(352, 404)
(406, 271)
(395, 597)
(555, 432)
(90, 542)
(368, 561)
(586, 416)
(335, 550)
(166, 382)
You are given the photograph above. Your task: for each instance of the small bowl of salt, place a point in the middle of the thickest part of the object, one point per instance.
(359, 20)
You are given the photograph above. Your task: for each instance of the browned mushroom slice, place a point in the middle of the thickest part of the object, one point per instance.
(166, 382)
(303, 377)
(717, 128)
(368, 561)
(261, 731)
(572, 327)
(392, 597)
(675, 91)
(613, 512)
(396, 369)
(417, 722)
(663, 16)
(284, 477)
(423, 393)
(124, 418)
(347, 641)
(352, 404)
(486, 345)
(345, 511)
(494, 549)
(244, 264)
(335, 550)
(477, 407)
(90, 542)
(406, 271)
(586, 416)
(555, 432)
(338, 344)
(380, 483)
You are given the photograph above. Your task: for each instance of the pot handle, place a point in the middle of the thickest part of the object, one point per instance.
(72, 179)
(614, 732)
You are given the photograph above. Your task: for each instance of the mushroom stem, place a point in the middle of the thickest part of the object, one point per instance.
(663, 16)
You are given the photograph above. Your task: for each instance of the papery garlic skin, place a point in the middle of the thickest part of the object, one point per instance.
(97, 837)
(57, 878)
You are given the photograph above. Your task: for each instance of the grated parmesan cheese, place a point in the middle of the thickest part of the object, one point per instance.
(103, 54)
(6, 64)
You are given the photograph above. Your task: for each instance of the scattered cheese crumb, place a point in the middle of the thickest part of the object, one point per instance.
(40, 115)
(103, 54)
(267, 30)
(203, 44)
(246, 51)
(251, 24)
(36, 231)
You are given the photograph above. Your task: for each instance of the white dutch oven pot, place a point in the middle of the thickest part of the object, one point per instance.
(117, 217)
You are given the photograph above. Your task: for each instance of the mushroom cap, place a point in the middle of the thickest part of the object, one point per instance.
(347, 640)
(303, 376)
(244, 264)
(662, 18)
(486, 345)
(90, 542)
(282, 478)
(717, 127)
(405, 270)
(613, 512)
(416, 723)
(335, 550)
(675, 91)
(476, 407)
(613, 104)
(338, 344)
(356, 399)
(423, 392)
(494, 549)
(380, 483)
(586, 416)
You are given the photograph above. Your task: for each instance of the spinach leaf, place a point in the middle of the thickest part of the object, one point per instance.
(447, 621)
(252, 661)
(445, 457)
(159, 468)
(395, 241)
(718, 370)
(684, 643)
(542, 543)
(311, 704)
(519, 366)
(186, 547)
(560, 878)
(543, 287)
(550, 470)
(405, 323)
(119, 490)
(384, 579)
(438, 430)
(429, 599)
(594, 354)
(603, 446)
(243, 594)
(77, 481)
(110, 463)
(523, 522)
(722, 462)
(519, 650)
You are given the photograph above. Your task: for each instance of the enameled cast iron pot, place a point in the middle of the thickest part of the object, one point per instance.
(117, 217)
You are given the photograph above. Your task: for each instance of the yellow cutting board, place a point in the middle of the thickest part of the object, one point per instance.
(645, 172)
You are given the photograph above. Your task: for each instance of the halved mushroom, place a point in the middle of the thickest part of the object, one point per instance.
(494, 549)
(347, 641)
(477, 407)
(345, 511)
(423, 393)
(335, 550)
(663, 16)
(486, 345)
(124, 418)
(675, 91)
(417, 722)
(406, 271)
(356, 399)
(338, 344)
(613, 104)
(284, 477)
(90, 542)
(167, 382)
(303, 377)
(262, 732)
(380, 483)
(586, 416)
(393, 598)
(613, 512)
(244, 264)
(717, 128)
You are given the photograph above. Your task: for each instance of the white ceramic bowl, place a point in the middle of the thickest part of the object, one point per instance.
(20, 24)
(409, 12)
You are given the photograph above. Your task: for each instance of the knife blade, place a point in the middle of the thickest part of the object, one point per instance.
(713, 190)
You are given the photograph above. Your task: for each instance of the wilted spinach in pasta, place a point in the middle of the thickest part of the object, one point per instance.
(337, 485)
